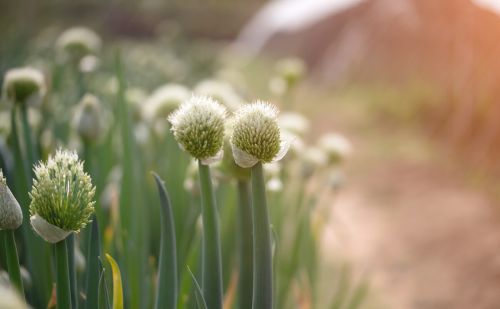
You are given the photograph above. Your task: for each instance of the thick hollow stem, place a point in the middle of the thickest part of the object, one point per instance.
(263, 264)
(62, 284)
(245, 224)
(13, 261)
(212, 265)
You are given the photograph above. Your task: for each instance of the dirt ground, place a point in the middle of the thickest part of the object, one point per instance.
(424, 235)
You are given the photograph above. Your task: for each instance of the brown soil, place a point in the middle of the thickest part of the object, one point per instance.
(425, 235)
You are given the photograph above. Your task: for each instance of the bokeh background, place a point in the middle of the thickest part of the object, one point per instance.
(413, 84)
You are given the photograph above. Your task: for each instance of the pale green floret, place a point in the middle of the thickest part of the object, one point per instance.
(256, 131)
(24, 86)
(62, 192)
(11, 216)
(198, 127)
(88, 118)
(77, 42)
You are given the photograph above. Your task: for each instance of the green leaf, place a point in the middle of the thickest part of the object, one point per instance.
(117, 284)
(200, 300)
(167, 287)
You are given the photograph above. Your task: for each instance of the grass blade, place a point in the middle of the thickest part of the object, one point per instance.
(117, 284)
(167, 287)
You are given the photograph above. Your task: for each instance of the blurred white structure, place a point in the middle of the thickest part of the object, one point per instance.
(286, 16)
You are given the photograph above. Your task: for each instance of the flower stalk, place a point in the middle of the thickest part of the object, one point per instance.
(62, 284)
(211, 264)
(245, 224)
(263, 264)
(13, 261)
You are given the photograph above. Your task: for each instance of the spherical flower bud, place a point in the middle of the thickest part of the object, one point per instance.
(62, 197)
(77, 42)
(198, 127)
(256, 135)
(335, 146)
(221, 91)
(165, 100)
(11, 216)
(313, 158)
(24, 86)
(88, 118)
(294, 123)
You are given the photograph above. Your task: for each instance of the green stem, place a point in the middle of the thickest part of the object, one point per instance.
(263, 264)
(70, 241)
(13, 261)
(28, 140)
(245, 224)
(211, 252)
(63, 285)
(93, 253)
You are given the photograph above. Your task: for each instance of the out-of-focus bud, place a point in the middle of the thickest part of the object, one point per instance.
(10, 299)
(135, 98)
(221, 91)
(291, 70)
(164, 100)
(89, 64)
(336, 146)
(88, 118)
(313, 158)
(274, 184)
(24, 86)
(294, 123)
(78, 42)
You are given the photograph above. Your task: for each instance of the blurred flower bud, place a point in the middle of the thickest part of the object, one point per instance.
(313, 159)
(77, 42)
(24, 86)
(291, 70)
(11, 216)
(62, 197)
(274, 185)
(198, 127)
(294, 123)
(88, 118)
(165, 100)
(335, 146)
(89, 64)
(10, 299)
(221, 91)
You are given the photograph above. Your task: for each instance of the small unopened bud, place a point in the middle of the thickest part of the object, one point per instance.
(62, 197)
(24, 86)
(256, 135)
(11, 216)
(88, 118)
(198, 127)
